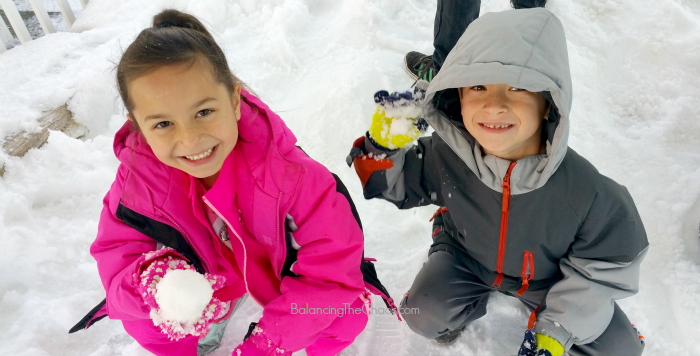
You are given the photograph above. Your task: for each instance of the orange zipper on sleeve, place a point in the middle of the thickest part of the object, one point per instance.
(504, 226)
(528, 271)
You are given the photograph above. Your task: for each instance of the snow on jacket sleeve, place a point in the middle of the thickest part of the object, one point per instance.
(119, 252)
(602, 266)
(409, 182)
(328, 263)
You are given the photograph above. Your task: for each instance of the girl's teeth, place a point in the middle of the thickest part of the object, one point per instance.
(200, 156)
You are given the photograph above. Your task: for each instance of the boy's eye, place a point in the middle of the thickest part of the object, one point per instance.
(478, 87)
(162, 124)
(517, 89)
(204, 112)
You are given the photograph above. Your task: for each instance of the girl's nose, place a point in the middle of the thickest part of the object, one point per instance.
(189, 136)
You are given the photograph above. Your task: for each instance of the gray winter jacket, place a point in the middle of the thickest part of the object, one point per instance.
(566, 225)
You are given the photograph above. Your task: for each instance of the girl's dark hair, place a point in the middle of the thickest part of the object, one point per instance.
(174, 38)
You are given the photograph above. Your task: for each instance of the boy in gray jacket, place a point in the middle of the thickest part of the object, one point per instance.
(520, 212)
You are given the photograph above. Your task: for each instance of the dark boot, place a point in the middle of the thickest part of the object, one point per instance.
(420, 66)
(450, 337)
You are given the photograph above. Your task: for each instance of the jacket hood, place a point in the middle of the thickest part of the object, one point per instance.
(258, 128)
(522, 48)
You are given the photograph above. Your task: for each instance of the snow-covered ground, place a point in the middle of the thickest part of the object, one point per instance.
(635, 115)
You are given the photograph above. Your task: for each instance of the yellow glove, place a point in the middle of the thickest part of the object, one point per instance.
(545, 342)
(397, 121)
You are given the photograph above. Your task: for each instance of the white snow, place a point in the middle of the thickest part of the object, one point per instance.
(401, 126)
(182, 295)
(318, 63)
(403, 109)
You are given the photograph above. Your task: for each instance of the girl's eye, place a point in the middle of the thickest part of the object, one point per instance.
(204, 112)
(479, 87)
(162, 124)
(517, 89)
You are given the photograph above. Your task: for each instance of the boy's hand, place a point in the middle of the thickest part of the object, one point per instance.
(540, 345)
(397, 121)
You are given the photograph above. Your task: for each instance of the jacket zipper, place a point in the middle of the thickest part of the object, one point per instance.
(245, 254)
(504, 226)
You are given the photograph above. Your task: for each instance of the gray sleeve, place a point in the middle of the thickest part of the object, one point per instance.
(395, 187)
(580, 306)
(602, 266)
(410, 182)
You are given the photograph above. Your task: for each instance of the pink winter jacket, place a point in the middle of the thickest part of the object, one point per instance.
(264, 179)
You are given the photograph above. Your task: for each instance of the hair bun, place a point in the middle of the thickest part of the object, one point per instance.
(165, 24)
(175, 18)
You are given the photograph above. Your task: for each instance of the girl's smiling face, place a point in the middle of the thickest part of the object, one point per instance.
(506, 121)
(187, 117)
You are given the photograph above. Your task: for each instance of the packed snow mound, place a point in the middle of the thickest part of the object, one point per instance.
(182, 295)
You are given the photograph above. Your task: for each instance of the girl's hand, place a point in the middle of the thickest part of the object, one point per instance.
(397, 121)
(181, 299)
(258, 344)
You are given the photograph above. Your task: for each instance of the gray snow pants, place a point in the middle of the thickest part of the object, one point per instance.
(448, 294)
(216, 333)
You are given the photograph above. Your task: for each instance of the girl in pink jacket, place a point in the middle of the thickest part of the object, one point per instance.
(212, 202)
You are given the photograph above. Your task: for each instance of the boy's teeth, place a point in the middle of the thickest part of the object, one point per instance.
(200, 156)
(496, 126)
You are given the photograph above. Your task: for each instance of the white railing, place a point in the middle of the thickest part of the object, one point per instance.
(8, 6)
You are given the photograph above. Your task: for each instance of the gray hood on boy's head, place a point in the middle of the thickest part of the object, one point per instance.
(524, 49)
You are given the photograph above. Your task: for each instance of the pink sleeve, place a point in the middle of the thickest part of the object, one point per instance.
(151, 339)
(119, 252)
(328, 263)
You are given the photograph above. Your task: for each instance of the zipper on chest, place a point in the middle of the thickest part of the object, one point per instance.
(504, 226)
(229, 229)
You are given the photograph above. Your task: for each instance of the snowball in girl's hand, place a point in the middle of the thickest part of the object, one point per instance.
(182, 295)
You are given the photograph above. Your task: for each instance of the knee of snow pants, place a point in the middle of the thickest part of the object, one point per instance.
(445, 295)
(341, 333)
(451, 19)
(619, 339)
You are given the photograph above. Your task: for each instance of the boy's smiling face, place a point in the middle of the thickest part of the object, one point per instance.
(506, 121)
(187, 117)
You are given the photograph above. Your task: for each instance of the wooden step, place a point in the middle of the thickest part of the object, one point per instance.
(59, 119)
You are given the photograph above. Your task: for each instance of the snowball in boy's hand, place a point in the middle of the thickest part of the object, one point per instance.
(182, 295)
(394, 128)
(397, 121)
